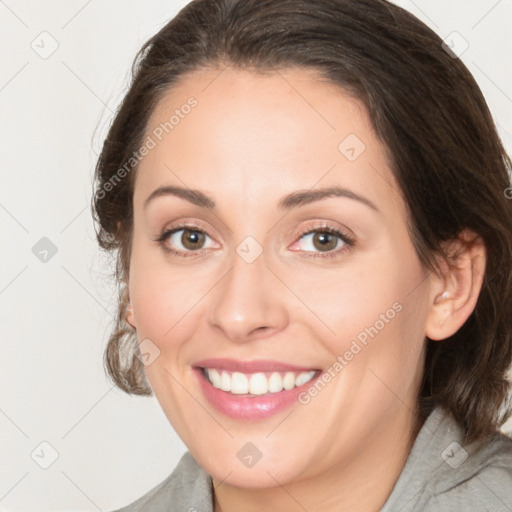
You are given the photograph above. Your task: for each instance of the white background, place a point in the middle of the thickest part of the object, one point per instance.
(55, 316)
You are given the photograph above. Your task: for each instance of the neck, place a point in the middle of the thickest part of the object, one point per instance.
(364, 484)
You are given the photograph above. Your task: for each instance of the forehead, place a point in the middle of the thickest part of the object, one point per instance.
(251, 134)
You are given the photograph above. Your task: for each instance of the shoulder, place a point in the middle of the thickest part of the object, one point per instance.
(483, 481)
(442, 473)
(187, 489)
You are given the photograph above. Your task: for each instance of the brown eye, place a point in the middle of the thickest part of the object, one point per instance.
(186, 241)
(325, 241)
(192, 240)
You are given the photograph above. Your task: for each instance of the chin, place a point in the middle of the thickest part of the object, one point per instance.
(261, 475)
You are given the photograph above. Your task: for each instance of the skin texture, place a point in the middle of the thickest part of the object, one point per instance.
(250, 140)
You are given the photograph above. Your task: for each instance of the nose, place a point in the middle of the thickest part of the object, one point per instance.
(248, 302)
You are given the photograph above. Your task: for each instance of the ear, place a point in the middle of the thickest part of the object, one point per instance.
(454, 294)
(130, 317)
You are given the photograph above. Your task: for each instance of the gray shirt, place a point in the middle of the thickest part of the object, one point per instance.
(439, 475)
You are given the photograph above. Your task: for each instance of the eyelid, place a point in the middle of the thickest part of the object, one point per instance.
(349, 240)
(191, 224)
(315, 226)
(176, 230)
(319, 225)
(180, 225)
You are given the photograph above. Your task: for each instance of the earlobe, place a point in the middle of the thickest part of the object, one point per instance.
(454, 294)
(129, 316)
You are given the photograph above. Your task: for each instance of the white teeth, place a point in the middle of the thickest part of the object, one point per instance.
(303, 378)
(215, 377)
(289, 380)
(275, 383)
(256, 383)
(239, 384)
(225, 382)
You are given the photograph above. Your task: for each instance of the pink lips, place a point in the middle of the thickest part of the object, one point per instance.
(251, 366)
(248, 407)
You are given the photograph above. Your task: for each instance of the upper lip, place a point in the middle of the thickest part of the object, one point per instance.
(259, 365)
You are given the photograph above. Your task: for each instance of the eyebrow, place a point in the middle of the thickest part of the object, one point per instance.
(298, 198)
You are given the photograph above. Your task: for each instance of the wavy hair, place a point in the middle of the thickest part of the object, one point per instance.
(427, 110)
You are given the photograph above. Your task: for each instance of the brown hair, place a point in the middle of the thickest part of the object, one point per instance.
(425, 107)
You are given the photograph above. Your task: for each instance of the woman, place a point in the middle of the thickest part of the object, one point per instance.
(309, 204)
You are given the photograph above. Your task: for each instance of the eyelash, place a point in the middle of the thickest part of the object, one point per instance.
(348, 241)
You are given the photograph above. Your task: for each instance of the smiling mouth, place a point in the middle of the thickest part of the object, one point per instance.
(257, 383)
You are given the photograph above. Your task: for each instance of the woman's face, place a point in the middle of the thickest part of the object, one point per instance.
(259, 275)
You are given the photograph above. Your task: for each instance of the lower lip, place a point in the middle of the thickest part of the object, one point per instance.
(256, 407)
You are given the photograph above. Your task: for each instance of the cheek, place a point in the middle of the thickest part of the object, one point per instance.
(157, 307)
(349, 299)
(166, 298)
(375, 309)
